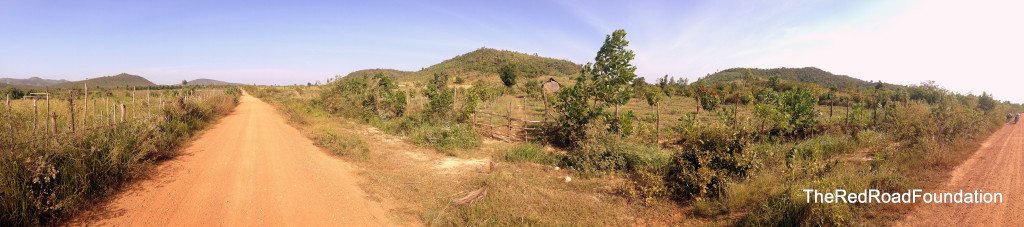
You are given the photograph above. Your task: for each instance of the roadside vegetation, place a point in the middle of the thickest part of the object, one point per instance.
(48, 173)
(735, 147)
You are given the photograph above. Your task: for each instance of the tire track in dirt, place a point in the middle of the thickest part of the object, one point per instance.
(995, 167)
(251, 168)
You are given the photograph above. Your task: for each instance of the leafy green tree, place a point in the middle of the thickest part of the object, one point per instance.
(666, 86)
(612, 71)
(775, 83)
(574, 104)
(790, 113)
(605, 83)
(707, 98)
(508, 75)
(652, 95)
(986, 102)
(470, 103)
(799, 105)
(15, 93)
(388, 100)
(856, 120)
(440, 97)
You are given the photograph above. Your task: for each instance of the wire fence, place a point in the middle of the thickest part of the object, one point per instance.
(43, 119)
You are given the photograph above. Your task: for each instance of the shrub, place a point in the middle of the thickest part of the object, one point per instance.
(606, 152)
(532, 89)
(790, 113)
(344, 94)
(647, 186)
(577, 113)
(799, 105)
(386, 100)
(440, 97)
(470, 103)
(706, 162)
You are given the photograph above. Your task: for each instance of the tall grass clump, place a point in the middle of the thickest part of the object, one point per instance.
(530, 152)
(341, 145)
(446, 138)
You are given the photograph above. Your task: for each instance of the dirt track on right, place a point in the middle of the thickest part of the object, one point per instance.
(998, 166)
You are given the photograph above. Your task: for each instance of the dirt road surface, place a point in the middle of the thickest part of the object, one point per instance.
(998, 166)
(251, 168)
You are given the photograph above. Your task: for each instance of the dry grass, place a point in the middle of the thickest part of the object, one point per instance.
(422, 189)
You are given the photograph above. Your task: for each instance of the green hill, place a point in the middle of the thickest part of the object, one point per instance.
(484, 64)
(806, 75)
(119, 80)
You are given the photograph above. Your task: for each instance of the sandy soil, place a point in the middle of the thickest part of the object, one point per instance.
(251, 168)
(998, 166)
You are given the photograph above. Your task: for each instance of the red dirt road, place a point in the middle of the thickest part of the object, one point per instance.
(998, 166)
(251, 168)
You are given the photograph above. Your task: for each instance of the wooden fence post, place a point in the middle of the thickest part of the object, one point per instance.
(51, 120)
(10, 120)
(48, 124)
(71, 113)
(657, 123)
(35, 117)
(509, 116)
(98, 108)
(85, 112)
(544, 95)
(124, 113)
(113, 114)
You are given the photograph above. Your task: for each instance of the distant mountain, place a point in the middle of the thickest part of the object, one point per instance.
(33, 81)
(119, 80)
(806, 75)
(485, 64)
(209, 82)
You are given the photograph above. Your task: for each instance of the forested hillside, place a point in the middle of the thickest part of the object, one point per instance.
(806, 74)
(119, 80)
(485, 64)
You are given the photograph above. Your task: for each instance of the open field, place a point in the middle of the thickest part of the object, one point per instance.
(422, 183)
(899, 145)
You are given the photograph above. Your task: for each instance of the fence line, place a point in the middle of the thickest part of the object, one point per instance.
(52, 130)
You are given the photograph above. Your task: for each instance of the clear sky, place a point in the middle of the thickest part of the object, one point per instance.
(966, 46)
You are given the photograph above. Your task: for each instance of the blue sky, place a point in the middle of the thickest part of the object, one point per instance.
(966, 48)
